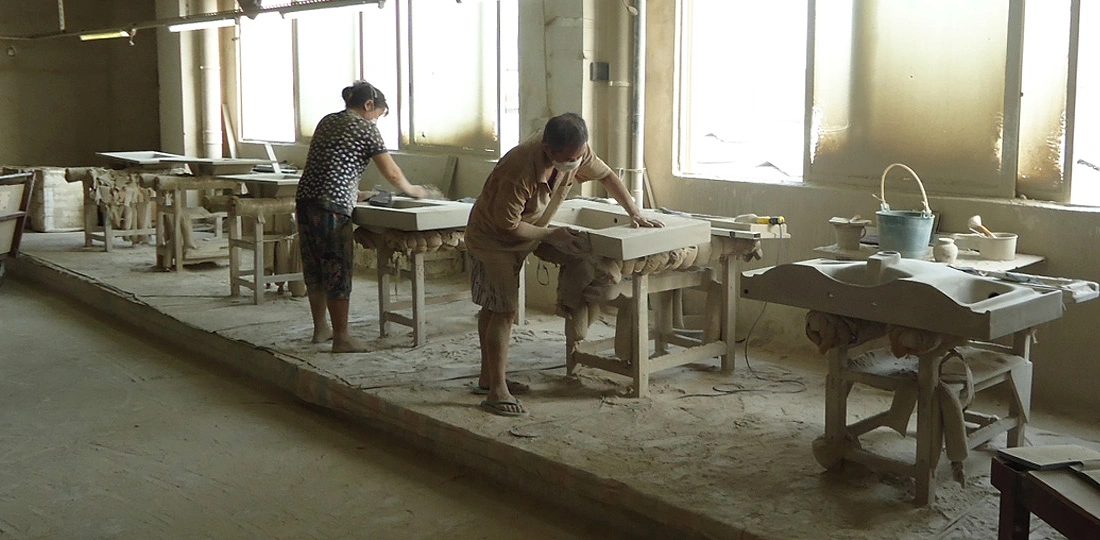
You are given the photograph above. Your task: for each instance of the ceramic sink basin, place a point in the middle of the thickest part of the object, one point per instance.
(409, 214)
(612, 234)
(267, 184)
(906, 292)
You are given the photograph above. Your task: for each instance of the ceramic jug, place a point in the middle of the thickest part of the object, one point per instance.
(945, 250)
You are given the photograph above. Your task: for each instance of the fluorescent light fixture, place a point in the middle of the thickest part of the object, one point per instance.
(201, 25)
(327, 11)
(292, 10)
(104, 35)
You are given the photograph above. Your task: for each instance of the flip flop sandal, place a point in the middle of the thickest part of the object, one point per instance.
(501, 407)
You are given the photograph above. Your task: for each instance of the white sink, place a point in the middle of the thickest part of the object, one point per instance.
(612, 235)
(409, 214)
(906, 292)
(267, 184)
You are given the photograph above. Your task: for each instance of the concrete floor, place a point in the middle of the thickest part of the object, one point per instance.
(707, 455)
(104, 434)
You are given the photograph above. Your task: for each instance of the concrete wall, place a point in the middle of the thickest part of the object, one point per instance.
(63, 100)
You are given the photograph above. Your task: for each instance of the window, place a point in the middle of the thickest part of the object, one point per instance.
(742, 88)
(1086, 132)
(994, 98)
(267, 80)
(459, 92)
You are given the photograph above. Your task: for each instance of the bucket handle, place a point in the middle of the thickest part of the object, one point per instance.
(924, 196)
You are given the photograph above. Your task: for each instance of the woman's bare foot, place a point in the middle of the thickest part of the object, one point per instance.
(321, 336)
(349, 344)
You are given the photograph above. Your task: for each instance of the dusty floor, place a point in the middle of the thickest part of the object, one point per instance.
(733, 449)
(106, 435)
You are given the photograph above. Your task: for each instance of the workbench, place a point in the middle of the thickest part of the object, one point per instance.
(716, 272)
(935, 317)
(174, 217)
(1059, 497)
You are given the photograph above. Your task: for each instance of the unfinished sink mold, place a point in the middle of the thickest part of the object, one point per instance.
(906, 292)
(409, 214)
(612, 234)
(267, 184)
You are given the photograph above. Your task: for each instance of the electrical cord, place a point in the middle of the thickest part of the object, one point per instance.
(794, 385)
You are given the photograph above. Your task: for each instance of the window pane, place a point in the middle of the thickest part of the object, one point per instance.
(453, 74)
(509, 75)
(919, 82)
(380, 66)
(1086, 133)
(267, 80)
(328, 56)
(1043, 100)
(742, 88)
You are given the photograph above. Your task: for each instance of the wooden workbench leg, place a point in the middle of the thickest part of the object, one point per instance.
(678, 308)
(383, 291)
(1020, 406)
(731, 283)
(234, 254)
(91, 215)
(926, 429)
(177, 227)
(257, 264)
(418, 298)
(639, 357)
(836, 395)
(1014, 519)
(108, 233)
(161, 226)
(662, 313)
(521, 311)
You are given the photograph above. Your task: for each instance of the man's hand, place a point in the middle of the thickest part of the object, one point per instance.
(642, 221)
(568, 241)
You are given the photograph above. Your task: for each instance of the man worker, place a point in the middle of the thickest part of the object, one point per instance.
(509, 221)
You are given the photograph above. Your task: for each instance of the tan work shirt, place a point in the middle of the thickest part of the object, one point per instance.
(524, 186)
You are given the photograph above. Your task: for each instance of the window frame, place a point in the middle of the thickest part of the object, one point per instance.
(401, 103)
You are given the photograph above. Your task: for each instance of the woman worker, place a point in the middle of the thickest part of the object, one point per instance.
(342, 146)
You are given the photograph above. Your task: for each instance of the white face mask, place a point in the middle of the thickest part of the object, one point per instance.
(566, 166)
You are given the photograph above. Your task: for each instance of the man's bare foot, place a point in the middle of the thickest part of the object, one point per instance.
(321, 336)
(349, 345)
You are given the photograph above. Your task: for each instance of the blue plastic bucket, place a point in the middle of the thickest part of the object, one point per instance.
(908, 233)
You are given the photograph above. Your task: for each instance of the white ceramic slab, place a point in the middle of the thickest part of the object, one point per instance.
(408, 214)
(612, 235)
(139, 158)
(906, 292)
(267, 184)
(217, 166)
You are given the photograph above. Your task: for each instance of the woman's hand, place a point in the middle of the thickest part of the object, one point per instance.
(364, 195)
(641, 221)
(416, 192)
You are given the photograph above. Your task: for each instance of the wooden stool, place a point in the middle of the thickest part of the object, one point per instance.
(257, 211)
(174, 216)
(987, 365)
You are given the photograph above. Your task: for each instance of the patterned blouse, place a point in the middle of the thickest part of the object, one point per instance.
(342, 146)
